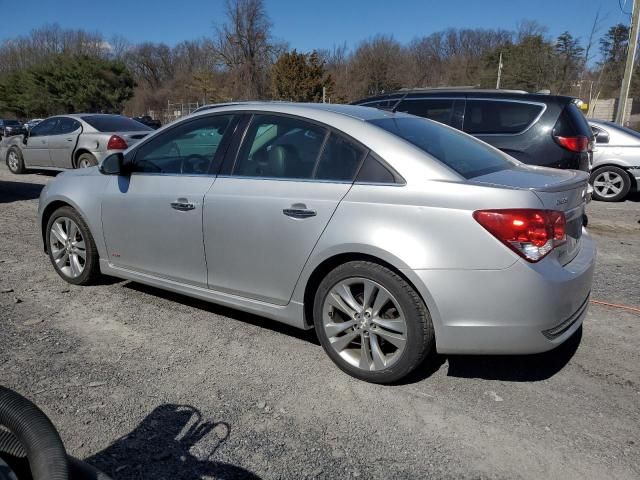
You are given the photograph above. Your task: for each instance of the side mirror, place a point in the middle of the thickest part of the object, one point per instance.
(602, 137)
(114, 164)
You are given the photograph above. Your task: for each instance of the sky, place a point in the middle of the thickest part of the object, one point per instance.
(308, 25)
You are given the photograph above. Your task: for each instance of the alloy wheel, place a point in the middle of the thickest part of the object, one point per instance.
(364, 323)
(13, 160)
(608, 184)
(68, 248)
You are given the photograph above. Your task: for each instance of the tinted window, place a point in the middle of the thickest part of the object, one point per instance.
(12, 123)
(279, 147)
(489, 116)
(46, 127)
(438, 110)
(466, 155)
(373, 171)
(340, 159)
(66, 125)
(114, 123)
(188, 148)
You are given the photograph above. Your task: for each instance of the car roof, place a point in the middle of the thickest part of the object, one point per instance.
(303, 109)
(466, 92)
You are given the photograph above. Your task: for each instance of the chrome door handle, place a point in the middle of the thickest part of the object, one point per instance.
(183, 205)
(299, 212)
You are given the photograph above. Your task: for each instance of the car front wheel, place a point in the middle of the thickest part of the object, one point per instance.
(15, 162)
(372, 323)
(71, 247)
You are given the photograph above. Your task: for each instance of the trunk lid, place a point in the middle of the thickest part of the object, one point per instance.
(561, 190)
(130, 137)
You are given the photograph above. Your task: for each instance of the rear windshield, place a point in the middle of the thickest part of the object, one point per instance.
(462, 153)
(626, 130)
(114, 123)
(572, 123)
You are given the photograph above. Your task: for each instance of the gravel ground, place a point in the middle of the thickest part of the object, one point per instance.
(147, 384)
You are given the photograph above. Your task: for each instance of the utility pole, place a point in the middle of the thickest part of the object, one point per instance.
(499, 72)
(628, 69)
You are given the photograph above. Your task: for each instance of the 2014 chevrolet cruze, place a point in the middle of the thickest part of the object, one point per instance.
(390, 234)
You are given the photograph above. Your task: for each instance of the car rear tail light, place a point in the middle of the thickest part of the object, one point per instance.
(577, 144)
(530, 233)
(116, 143)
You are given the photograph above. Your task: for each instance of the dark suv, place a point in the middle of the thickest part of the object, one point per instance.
(9, 128)
(537, 129)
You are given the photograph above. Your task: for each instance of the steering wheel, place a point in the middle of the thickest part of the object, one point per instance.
(27, 436)
(194, 163)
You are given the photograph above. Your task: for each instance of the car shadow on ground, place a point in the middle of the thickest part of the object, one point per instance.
(263, 322)
(515, 368)
(512, 368)
(18, 191)
(173, 441)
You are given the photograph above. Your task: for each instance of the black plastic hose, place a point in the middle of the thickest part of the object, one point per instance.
(37, 435)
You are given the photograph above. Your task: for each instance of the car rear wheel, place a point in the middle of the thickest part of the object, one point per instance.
(86, 160)
(15, 162)
(372, 323)
(610, 184)
(71, 247)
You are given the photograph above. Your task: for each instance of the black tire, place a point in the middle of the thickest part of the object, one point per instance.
(420, 338)
(19, 167)
(86, 160)
(91, 271)
(626, 183)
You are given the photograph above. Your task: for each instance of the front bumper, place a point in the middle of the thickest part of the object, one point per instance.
(526, 308)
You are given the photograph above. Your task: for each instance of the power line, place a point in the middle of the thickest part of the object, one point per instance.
(622, 7)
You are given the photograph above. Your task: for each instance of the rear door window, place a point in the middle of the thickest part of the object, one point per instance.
(66, 125)
(499, 117)
(340, 159)
(440, 110)
(279, 147)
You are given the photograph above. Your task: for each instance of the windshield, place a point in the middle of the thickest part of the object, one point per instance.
(114, 123)
(460, 152)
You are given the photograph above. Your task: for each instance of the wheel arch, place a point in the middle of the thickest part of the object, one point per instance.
(618, 164)
(335, 260)
(77, 153)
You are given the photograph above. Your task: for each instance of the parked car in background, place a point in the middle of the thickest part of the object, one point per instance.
(148, 121)
(389, 234)
(537, 129)
(71, 141)
(9, 128)
(32, 123)
(616, 161)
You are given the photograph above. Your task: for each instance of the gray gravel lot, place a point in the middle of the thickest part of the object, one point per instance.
(146, 384)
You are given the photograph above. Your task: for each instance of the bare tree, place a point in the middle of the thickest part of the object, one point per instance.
(244, 46)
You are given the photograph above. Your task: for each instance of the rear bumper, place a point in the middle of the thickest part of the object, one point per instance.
(526, 308)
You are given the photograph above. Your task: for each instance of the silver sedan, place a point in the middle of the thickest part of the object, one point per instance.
(71, 141)
(391, 235)
(616, 161)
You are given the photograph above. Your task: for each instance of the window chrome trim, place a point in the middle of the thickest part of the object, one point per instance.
(507, 100)
(282, 179)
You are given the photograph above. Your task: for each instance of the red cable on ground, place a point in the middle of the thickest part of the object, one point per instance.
(614, 305)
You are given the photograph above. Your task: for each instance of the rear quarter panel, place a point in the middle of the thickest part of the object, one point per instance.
(425, 226)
